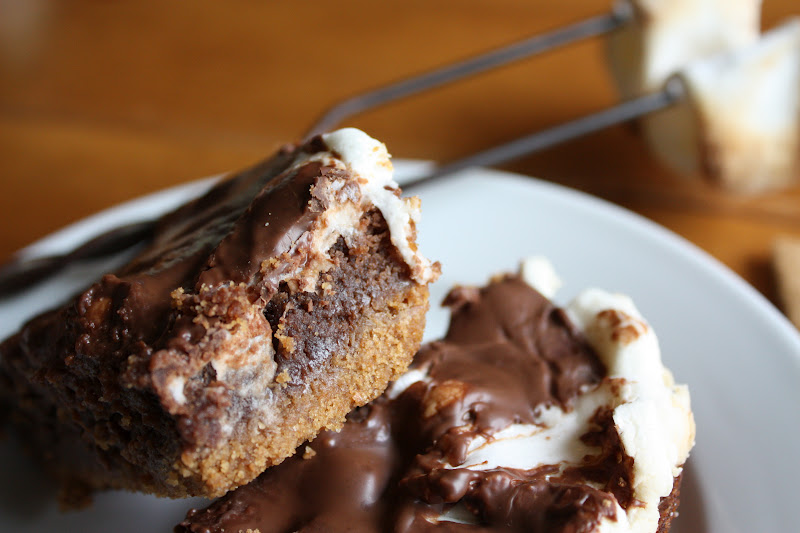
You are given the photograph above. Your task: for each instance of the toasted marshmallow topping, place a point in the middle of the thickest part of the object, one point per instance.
(651, 413)
(666, 35)
(744, 106)
(354, 150)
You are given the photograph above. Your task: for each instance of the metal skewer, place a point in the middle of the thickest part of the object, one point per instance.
(531, 46)
(19, 273)
(672, 92)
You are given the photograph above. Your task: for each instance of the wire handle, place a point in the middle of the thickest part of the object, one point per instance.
(672, 92)
(531, 46)
(19, 274)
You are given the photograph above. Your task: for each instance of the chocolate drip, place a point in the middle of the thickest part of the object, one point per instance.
(395, 464)
(277, 217)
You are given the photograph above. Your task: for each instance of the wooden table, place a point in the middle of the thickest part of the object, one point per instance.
(104, 101)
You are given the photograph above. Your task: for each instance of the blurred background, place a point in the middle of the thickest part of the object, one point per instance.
(104, 101)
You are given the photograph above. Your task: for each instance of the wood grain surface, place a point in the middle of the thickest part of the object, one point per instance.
(101, 102)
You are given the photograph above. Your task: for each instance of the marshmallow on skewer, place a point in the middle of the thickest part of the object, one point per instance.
(740, 122)
(665, 35)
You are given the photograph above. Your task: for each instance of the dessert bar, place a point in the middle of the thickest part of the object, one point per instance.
(260, 313)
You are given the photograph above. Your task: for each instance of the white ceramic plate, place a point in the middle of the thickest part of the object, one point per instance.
(738, 354)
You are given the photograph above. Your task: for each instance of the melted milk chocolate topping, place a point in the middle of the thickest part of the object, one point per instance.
(186, 237)
(509, 354)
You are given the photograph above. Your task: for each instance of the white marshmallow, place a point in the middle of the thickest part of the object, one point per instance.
(740, 124)
(538, 272)
(369, 159)
(665, 35)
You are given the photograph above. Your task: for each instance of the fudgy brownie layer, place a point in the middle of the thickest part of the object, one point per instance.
(261, 313)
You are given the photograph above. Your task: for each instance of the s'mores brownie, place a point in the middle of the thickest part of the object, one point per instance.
(525, 417)
(260, 313)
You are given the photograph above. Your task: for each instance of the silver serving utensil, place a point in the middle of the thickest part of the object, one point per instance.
(20, 273)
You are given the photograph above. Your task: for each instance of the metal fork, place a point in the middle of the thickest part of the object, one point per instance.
(20, 273)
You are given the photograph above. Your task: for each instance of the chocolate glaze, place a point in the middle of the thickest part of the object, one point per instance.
(184, 239)
(395, 464)
(285, 208)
